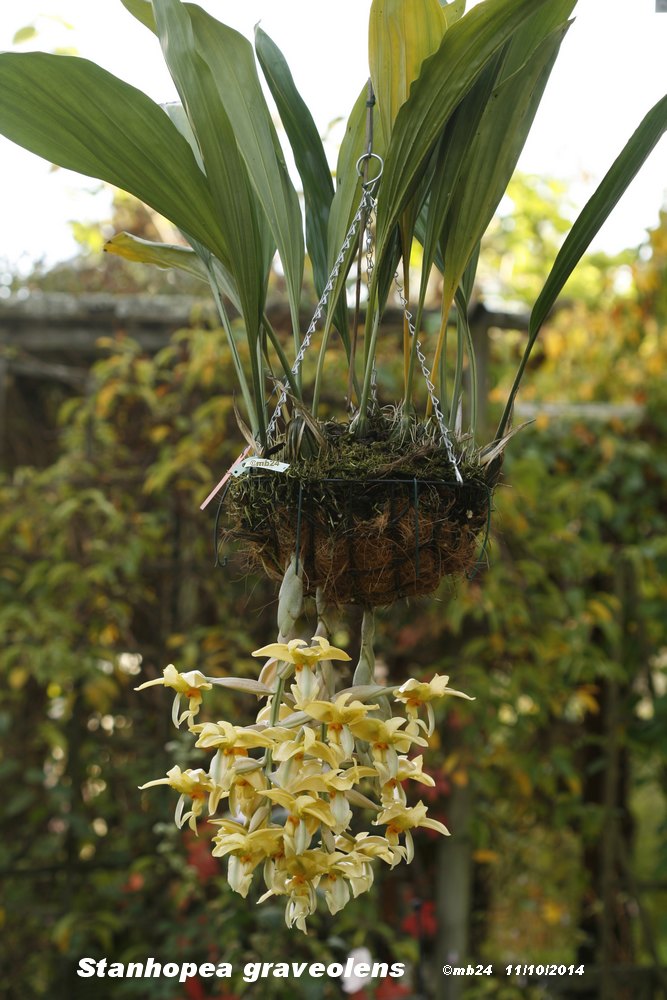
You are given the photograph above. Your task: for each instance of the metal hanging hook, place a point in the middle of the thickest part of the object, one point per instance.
(367, 185)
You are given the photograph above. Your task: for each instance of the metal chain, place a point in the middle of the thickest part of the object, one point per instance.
(370, 264)
(435, 402)
(366, 205)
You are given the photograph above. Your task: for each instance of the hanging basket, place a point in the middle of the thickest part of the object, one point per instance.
(370, 520)
(369, 523)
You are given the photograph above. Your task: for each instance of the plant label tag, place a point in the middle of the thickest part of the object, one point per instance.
(216, 489)
(267, 464)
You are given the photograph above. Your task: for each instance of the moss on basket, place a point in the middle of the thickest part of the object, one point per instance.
(372, 520)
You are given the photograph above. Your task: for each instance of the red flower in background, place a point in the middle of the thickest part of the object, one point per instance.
(200, 858)
(422, 922)
(194, 989)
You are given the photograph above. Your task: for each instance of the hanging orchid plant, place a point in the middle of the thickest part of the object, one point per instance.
(393, 495)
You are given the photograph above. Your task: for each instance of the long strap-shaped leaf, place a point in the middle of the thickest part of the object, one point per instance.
(591, 219)
(309, 155)
(247, 236)
(77, 115)
(449, 157)
(143, 11)
(311, 162)
(494, 149)
(490, 162)
(230, 57)
(401, 35)
(163, 255)
(231, 60)
(444, 80)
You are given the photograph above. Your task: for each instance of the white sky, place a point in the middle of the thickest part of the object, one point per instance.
(611, 70)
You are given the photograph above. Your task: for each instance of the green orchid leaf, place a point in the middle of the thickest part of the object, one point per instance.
(250, 250)
(449, 158)
(532, 33)
(202, 119)
(492, 157)
(445, 78)
(180, 119)
(75, 114)
(311, 162)
(143, 11)
(478, 152)
(306, 144)
(231, 61)
(594, 214)
(401, 35)
(197, 262)
(453, 11)
(348, 182)
(164, 255)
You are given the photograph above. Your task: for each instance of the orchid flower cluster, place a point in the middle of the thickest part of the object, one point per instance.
(290, 781)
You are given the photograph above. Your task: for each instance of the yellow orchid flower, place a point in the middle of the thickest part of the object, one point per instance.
(305, 814)
(298, 652)
(400, 819)
(413, 694)
(196, 785)
(351, 874)
(408, 769)
(320, 749)
(190, 684)
(231, 743)
(387, 740)
(228, 737)
(266, 711)
(244, 791)
(247, 850)
(357, 869)
(298, 877)
(337, 716)
(302, 746)
(336, 890)
(368, 847)
(300, 655)
(311, 778)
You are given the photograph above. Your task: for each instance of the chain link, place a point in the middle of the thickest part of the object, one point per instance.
(370, 264)
(367, 204)
(435, 402)
(367, 207)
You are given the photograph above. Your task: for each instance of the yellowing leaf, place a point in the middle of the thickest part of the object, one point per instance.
(163, 255)
(401, 35)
